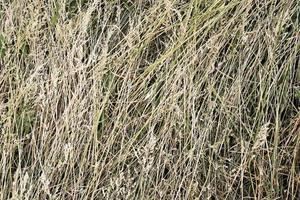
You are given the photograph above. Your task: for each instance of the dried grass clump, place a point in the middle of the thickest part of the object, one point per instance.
(166, 99)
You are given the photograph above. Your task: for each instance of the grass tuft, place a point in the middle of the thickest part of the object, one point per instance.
(144, 99)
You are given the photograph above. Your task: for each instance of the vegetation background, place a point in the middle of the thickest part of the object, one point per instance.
(145, 99)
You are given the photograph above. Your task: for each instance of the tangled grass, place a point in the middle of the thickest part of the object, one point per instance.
(145, 99)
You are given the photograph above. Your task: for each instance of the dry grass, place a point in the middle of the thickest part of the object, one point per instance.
(166, 99)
